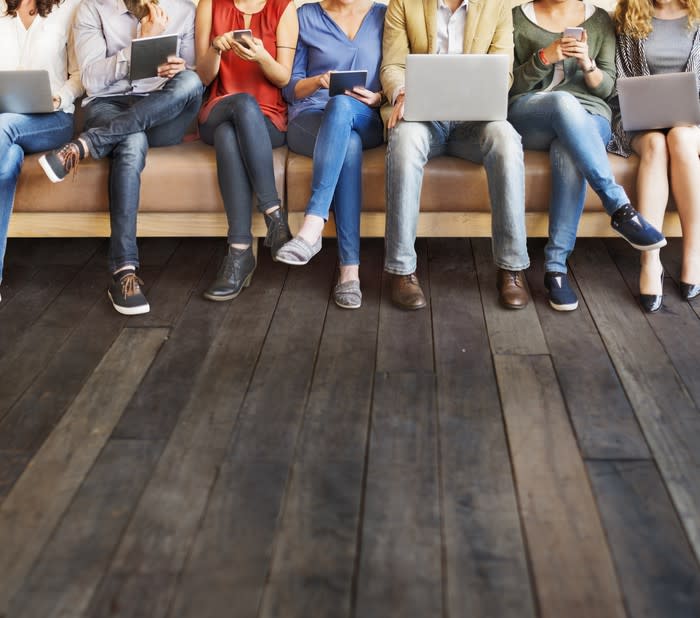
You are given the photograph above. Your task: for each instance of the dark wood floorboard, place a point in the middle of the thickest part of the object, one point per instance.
(278, 457)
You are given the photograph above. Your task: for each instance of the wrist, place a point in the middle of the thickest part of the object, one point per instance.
(591, 66)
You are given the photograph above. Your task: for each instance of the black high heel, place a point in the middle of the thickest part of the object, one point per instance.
(689, 290)
(652, 302)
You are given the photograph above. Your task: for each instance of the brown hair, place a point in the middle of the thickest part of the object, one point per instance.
(633, 17)
(43, 7)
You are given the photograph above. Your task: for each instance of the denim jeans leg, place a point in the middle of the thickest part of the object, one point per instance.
(411, 145)
(20, 134)
(498, 147)
(347, 203)
(243, 139)
(182, 92)
(565, 207)
(128, 161)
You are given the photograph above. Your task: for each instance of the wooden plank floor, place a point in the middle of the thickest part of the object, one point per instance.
(277, 457)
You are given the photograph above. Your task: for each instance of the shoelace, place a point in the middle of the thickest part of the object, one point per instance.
(69, 157)
(130, 285)
(412, 279)
(514, 277)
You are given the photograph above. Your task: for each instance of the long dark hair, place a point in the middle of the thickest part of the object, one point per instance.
(43, 7)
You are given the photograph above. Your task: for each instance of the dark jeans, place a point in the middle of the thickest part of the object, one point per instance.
(335, 138)
(243, 139)
(123, 127)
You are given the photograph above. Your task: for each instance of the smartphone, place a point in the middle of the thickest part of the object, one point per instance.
(239, 34)
(573, 32)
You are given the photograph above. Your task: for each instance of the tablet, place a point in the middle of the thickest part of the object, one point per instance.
(149, 53)
(346, 80)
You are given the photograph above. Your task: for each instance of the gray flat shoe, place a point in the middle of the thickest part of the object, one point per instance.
(297, 251)
(348, 295)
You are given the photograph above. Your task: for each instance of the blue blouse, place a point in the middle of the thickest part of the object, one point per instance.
(322, 46)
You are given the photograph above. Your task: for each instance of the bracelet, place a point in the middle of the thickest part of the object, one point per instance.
(592, 68)
(542, 57)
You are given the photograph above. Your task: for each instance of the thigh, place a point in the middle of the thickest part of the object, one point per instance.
(469, 140)
(303, 130)
(602, 126)
(172, 131)
(370, 128)
(37, 132)
(102, 110)
(410, 137)
(530, 116)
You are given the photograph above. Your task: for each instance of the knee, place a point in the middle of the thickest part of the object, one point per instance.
(340, 106)
(244, 108)
(407, 143)
(682, 143)
(187, 84)
(501, 138)
(563, 104)
(132, 150)
(654, 149)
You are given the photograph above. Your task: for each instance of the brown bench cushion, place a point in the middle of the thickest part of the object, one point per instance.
(178, 178)
(450, 184)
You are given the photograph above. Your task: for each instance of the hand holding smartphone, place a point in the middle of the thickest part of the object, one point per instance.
(239, 34)
(573, 32)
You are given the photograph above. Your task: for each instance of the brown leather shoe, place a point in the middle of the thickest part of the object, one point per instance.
(512, 292)
(406, 292)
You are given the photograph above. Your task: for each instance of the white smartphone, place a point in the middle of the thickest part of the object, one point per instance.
(573, 32)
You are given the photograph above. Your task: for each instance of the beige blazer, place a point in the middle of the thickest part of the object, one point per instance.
(410, 26)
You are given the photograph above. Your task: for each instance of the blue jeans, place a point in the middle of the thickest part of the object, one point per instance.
(123, 127)
(20, 134)
(496, 145)
(576, 140)
(336, 137)
(243, 139)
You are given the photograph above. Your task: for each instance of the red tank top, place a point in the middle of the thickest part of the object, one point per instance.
(237, 75)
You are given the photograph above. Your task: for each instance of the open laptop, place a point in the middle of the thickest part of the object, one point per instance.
(25, 92)
(456, 87)
(658, 101)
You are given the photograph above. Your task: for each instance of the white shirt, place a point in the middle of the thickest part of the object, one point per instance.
(450, 28)
(449, 34)
(45, 45)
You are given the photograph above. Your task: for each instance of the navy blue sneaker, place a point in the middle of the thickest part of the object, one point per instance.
(561, 296)
(636, 230)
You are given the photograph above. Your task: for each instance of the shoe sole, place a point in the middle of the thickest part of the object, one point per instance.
(342, 306)
(47, 169)
(129, 310)
(658, 245)
(246, 283)
(569, 307)
(288, 262)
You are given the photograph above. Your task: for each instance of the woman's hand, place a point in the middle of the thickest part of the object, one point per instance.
(249, 48)
(553, 52)
(571, 48)
(369, 98)
(324, 80)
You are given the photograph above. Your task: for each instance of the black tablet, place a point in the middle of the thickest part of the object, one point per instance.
(346, 80)
(149, 53)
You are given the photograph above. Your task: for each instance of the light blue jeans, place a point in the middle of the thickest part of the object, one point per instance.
(335, 137)
(20, 134)
(576, 140)
(496, 145)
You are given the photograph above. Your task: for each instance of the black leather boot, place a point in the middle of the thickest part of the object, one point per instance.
(277, 231)
(234, 274)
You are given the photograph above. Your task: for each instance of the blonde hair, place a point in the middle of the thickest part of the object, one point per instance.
(633, 17)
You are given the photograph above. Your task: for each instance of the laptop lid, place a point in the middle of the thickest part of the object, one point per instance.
(658, 101)
(456, 87)
(25, 92)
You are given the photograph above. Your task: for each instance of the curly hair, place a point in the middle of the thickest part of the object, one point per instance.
(43, 7)
(633, 17)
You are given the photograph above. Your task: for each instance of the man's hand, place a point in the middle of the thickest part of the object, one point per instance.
(155, 22)
(396, 112)
(56, 100)
(369, 98)
(172, 67)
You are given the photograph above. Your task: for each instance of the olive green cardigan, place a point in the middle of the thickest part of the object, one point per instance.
(531, 75)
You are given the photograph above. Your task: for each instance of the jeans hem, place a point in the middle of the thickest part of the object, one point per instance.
(398, 271)
(114, 267)
(504, 266)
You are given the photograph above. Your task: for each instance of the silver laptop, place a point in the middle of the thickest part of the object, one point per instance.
(658, 101)
(456, 87)
(25, 92)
